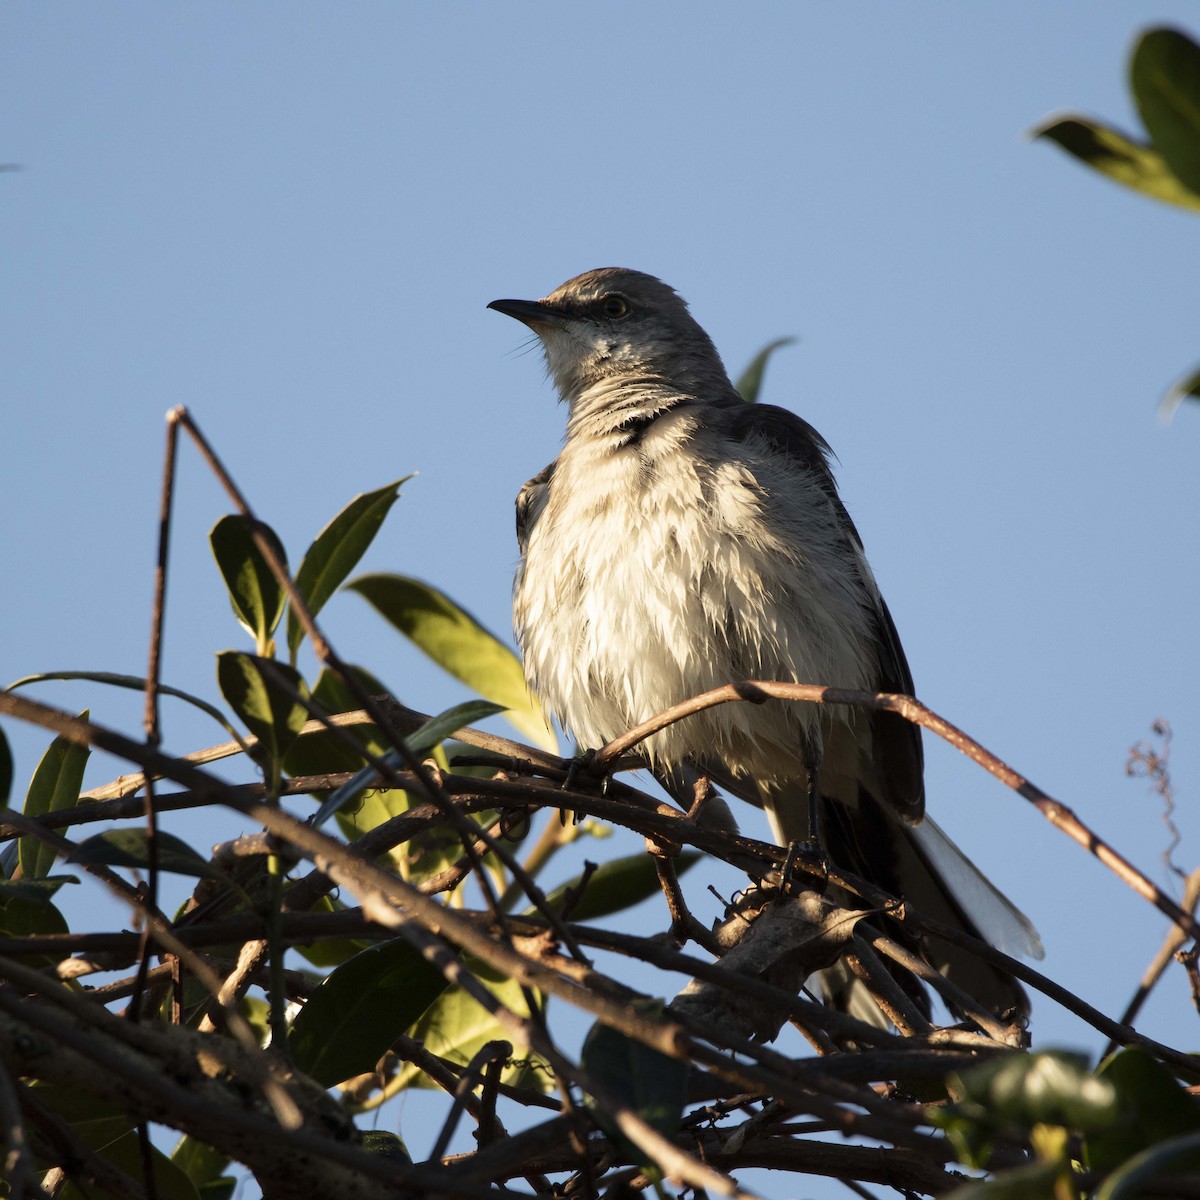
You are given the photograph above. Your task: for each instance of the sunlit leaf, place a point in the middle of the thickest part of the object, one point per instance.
(55, 785)
(200, 1163)
(336, 550)
(1013, 1093)
(459, 644)
(749, 384)
(419, 742)
(252, 688)
(1165, 77)
(256, 595)
(1122, 159)
(457, 1027)
(360, 1009)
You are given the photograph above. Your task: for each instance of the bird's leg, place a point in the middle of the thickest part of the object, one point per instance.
(811, 848)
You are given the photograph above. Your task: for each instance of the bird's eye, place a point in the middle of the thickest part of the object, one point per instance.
(614, 307)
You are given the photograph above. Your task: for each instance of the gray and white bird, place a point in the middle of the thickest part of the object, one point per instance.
(684, 539)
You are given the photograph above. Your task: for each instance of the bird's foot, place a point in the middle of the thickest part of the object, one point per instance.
(806, 869)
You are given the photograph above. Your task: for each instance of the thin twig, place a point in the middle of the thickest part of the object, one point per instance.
(1058, 814)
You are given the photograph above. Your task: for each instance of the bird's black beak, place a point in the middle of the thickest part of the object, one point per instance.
(531, 312)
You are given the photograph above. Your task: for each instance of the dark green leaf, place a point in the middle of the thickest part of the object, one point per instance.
(252, 687)
(1037, 1181)
(323, 753)
(330, 952)
(360, 1009)
(1187, 388)
(616, 885)
(21, 917)
(55, 785)
(125, 1153)
(6, 770)
(131, 848)
(256, 595)
(111, 1134)
(750, 382)
(652, 1084)
(133, 682)
(1152, 1105)
(385, 1144)
(1172, 1154)
(1165, 77)
(38, 891)
(460, 645)
(336, 551)
(1123, 160)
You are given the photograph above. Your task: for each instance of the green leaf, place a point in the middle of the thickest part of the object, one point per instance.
(385, 1144)
(1123, 160)
(1173, 1153)
(22, 917)
(333, 951)
(6, 770)
(135, 683)
(200, 1163)
(336, 551)
(131, 848)
(360, 1009)
(649, 1082)
(1051, 1088)
(460, 645)
(1036, 1181)
(323, 753)
(1151, 1106)
(1187, 388)
(456, 1027)
(615, 886)
(111, 1134)
(55, 785)
(251, 686)
(125, 1153)
(419, 742)
(1015, 1092)
(38, 891)
(750, 382)
(256, 595)
(1165, 78)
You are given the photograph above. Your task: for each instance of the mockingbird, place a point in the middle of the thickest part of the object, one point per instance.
(684, 539)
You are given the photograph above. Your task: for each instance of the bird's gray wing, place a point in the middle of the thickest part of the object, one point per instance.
(896, 748)
(531, 499)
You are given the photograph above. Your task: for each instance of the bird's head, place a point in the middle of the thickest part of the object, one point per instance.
(612, 323)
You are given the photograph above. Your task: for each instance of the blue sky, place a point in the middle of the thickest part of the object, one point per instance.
(290, 218)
